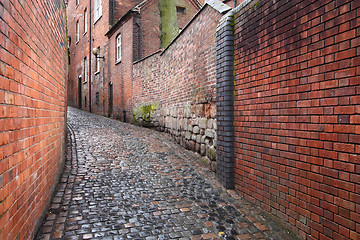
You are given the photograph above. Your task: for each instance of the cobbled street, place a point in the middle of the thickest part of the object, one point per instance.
(125, 182)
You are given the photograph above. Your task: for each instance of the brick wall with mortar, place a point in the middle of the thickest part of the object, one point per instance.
(180, 83)
(93, 37)
(150, 31)
(140, 35)
(77, 54)
(32, 111)
(150, 23)
(99, 79)
(120, 73)
(191, 8)
(297, 112)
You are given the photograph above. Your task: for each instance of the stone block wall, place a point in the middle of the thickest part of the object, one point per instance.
(296, 110)
(32, 111)
(193, 126)
(178, 84)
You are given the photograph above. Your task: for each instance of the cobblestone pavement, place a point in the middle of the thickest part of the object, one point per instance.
(125, 182)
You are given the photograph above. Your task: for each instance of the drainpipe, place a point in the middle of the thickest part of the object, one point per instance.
(90, 37)
(104, 83)
(139, 25)
(109, 77)
(113, 13)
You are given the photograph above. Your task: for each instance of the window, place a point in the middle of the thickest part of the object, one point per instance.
(118, 48)
(97, 62)
(180, 10)
(77, 30)
(85, 70)
(98, 9)
(85, 21)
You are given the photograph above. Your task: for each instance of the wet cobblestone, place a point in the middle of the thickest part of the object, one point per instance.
(125, 182)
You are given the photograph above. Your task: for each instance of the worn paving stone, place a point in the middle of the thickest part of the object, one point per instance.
(125, 182)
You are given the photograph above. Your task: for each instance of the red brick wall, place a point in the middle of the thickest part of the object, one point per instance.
(190, 10)
(122, 7)
(77, 54)
(188, 63)
(297, 112)
(150, 31)
(79, 50)
(150, 24)
(146, 23)
(180, 83)
(99, 80)
(32, 111)
(121, 72)
(146, 90)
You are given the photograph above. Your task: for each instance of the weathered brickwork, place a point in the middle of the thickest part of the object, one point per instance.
(88, 85)
(32, 111)
(177, 87)
(78, 82)
(297, 113)
(140, 34)
(120, 73)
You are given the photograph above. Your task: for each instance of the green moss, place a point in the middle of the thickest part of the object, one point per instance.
(211, 153)
(142, 115)
(205, 161)
(255, 5)
(169, 27)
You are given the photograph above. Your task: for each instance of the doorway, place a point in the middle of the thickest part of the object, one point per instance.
(79, 93)
(110, 99)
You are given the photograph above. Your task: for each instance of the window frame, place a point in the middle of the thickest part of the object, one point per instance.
(118, 48)
(85, 69)
(97, 62)
(180, 10)
(97, 10)
(85, 21)
(77, 31)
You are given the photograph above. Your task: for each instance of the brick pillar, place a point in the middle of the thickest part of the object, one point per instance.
(225, 100)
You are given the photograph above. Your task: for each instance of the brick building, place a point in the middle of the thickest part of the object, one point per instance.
(103, 84)
(87, 22)
(32, 111)
(137, 35)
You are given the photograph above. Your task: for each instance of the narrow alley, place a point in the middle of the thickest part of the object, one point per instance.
(125, 182)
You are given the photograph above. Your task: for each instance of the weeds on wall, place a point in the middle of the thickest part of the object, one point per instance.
(142, 115)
